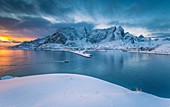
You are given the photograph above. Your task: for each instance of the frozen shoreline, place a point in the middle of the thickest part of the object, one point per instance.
(71, 90)
(163, 49)
(81, 52)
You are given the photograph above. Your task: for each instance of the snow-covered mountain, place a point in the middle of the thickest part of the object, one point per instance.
(83, 38)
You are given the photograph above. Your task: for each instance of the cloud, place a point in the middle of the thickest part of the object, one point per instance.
(6, 22)
(11, 41)
(36, 18)
(34, 26)
(17, 7)
(137, 31)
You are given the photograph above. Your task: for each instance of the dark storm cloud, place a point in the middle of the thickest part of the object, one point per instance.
(32, 23)
(55, 7)
(81, 24)
(159, 24)
(42, 17)
(17, 7)
(35, 27)
(5, 22)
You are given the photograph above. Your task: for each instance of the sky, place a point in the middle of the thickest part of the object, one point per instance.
(23, 20)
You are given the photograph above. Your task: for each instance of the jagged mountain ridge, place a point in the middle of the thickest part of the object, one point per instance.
(82, 37)
(93, 36)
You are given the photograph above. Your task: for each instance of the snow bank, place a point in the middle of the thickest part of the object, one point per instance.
(78, 52)
(70, 90)
(163, 49)
(81, 53)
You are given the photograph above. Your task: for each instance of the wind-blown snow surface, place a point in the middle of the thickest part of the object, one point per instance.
(70, 90)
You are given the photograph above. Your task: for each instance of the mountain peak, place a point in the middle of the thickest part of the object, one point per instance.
(112, 28)
(120, 28)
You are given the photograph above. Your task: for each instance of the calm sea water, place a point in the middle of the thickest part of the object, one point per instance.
(150, 73)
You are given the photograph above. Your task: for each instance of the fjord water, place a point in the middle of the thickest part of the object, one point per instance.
(147, 72)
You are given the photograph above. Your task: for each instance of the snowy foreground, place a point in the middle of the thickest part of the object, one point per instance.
(70, 90)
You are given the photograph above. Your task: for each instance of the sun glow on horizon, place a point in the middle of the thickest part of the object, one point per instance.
(6, 41)
(11, 38)
(3, 38)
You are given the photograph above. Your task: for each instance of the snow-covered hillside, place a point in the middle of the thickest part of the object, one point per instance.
(71, 90)
(163, 49)
(81, 38)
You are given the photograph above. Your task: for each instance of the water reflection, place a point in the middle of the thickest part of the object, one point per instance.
(9, 58)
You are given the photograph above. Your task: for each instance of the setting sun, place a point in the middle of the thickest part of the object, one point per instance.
(4, 38)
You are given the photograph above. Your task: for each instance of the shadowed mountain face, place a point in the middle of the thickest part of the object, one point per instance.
(74, 37)
(93, 36)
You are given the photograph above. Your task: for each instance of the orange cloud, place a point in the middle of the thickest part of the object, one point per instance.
(13, 38)
(6, 41)
(6, 35)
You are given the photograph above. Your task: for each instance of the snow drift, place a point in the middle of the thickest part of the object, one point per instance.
(70, 90)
